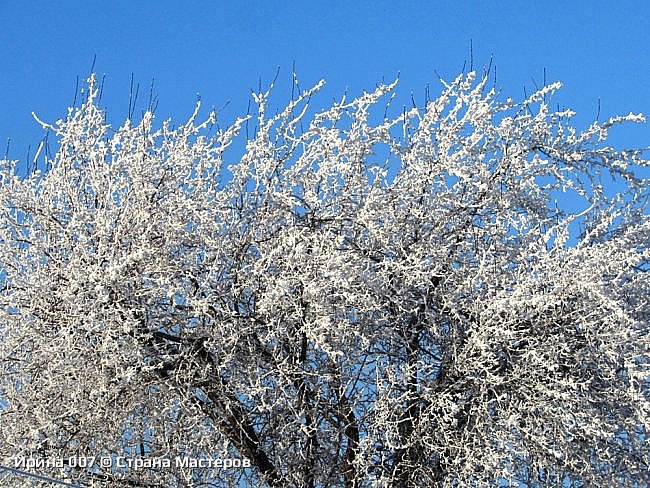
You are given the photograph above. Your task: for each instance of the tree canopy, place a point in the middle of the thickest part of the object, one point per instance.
(456, 295)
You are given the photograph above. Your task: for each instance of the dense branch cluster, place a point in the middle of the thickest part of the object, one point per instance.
(450, 297)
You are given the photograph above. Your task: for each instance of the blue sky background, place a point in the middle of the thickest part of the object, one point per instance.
(221, 49)
(599, 49)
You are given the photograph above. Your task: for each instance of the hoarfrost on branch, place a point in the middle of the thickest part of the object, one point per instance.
(450, 297)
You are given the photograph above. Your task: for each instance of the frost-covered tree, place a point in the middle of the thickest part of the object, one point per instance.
(457, 297)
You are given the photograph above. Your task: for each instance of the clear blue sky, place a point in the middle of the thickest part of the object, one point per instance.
(220, 49)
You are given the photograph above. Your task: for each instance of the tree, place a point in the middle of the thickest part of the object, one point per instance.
(452, 297)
